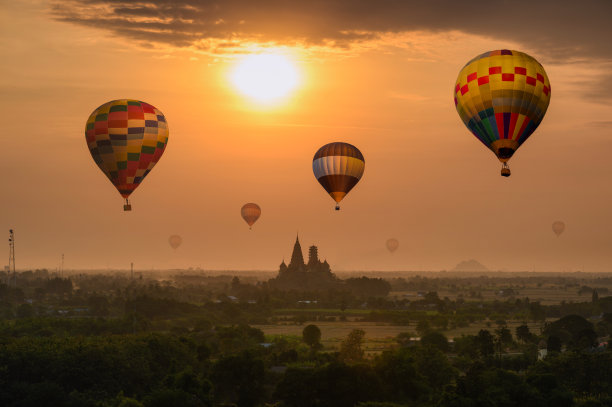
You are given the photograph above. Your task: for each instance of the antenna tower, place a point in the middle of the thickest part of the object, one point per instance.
(12, 258)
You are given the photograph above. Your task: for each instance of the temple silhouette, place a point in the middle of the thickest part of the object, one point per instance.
(298, 275)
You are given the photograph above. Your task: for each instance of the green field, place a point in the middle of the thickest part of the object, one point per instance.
(378, 335)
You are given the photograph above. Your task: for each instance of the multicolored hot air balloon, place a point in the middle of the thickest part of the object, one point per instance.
(338, 167)
(126, 138)
(502, 97)
(558, 227)
(175, 241)
(250, 212)
(392, 244)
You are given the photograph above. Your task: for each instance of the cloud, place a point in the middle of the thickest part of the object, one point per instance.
(599, 89)
(556, 29)
(602, 123)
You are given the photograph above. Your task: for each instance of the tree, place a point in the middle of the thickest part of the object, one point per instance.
(432, 298)
(504, 336)
(239, 379)
(399, 377)
(311, 336)
(553, 344)
(297, 387)
(434, 366)
(171, 397)
(129, 402)
(422, 326)
(435, 339)
(467, 346)
(536, 311)
(523, 334)
(368, 287)
(485, 343)
(235, 284)
(572, 330)
(350, 349)
(98, 305)
(25, 311)
(335, 384)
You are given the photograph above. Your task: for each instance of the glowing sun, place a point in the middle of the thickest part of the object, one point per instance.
(267, 78)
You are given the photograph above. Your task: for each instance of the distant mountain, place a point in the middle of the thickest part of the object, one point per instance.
(470, 265)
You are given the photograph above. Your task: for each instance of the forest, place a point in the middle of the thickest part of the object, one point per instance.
(226, 340)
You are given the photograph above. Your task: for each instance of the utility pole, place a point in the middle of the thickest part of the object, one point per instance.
(12, 258)
(62, 267)
(134, 301)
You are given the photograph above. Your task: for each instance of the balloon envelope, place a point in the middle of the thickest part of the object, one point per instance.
(392, 244)
(338, 167)
(502, 96)
(558, 227)
(250, 212)
(126, 138)
(175, 241)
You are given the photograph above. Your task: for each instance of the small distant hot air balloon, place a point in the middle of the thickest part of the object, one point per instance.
(250, 213)
(126, 138)
(502, 96)
(175, 241)
(558, 227)
(392, 244)
(338, 167)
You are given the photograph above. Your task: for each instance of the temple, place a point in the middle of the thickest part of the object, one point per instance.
(315, 274)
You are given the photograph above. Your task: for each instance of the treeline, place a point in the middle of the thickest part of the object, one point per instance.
(250, 304)
(239, 366)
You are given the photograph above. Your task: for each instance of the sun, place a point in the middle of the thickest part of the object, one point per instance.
(266, 78)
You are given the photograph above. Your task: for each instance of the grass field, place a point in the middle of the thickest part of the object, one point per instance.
(382, 335)
(378, 335)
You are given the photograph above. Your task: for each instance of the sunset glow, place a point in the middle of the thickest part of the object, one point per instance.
(266, 78)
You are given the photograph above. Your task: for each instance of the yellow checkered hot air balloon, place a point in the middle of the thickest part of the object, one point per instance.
(502, 96)
(126, 138)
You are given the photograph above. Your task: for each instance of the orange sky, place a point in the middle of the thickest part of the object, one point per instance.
(368, 77)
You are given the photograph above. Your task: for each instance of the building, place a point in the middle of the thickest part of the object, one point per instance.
(299, 275)
(297, 263)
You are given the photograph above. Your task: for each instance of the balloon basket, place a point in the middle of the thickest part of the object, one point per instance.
(337, 207)
(505, 171)
(127, 206)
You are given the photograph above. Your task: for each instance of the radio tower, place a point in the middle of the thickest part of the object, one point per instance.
(12, 258)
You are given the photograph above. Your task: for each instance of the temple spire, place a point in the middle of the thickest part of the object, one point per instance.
(297, 258)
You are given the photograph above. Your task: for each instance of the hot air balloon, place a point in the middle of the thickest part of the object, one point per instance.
(558, 227)
(126, 138)
(250, 212)
(502, 96)
(392, 244)
(338, 167)
(175, 241)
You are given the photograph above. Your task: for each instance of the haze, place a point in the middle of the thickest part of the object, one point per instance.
(378, 75)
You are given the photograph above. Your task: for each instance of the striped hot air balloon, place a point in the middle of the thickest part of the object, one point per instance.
(126, 138)
(338, 167)
(250, 212)
(502, 96)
